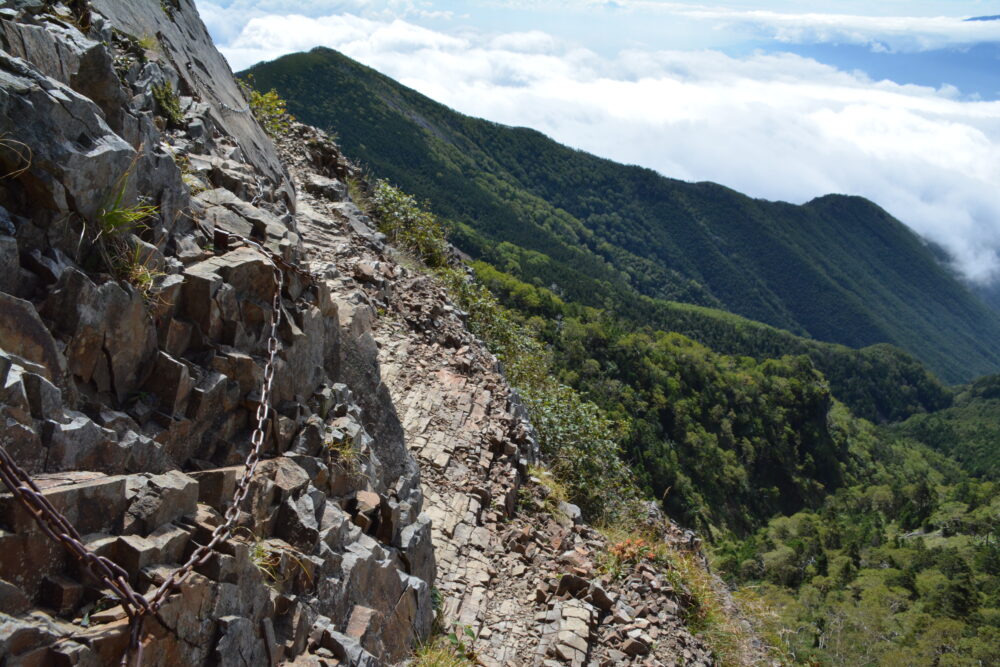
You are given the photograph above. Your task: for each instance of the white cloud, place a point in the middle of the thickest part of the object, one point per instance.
(884, 26)
(532, 41)
(772, 125)
(226, 19)
(882, 33)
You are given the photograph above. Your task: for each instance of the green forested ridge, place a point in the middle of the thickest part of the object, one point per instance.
(879, 383)
(968, 431)
(726, 441)
(837, 269)
(874, 549)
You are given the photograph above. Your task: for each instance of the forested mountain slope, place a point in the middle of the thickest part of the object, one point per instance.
(837, 269)
(968, 431)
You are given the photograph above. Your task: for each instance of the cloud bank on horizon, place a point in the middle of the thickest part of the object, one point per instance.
(735, 105)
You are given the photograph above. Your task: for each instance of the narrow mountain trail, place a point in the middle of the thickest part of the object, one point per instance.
(520, 585)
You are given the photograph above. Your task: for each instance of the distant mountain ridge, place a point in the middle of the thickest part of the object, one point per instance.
(837, 269)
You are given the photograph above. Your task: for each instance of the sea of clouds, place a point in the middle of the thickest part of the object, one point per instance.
(771, 124)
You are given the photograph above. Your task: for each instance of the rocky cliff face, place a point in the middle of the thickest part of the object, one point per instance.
(134, 339)
(133, 359)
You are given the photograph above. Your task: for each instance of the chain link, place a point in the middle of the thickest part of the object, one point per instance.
(225, 106)
(55, 525)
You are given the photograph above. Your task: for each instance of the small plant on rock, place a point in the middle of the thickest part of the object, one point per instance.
(117, 219)
(75, 12)
(551, 493)
(439, 653)
(268, 561)
(274, 559)
(451, 650)
(357, 191)
(461, 639)
(148, 42)
(170, 7)
(631, 544)
(270, 110)
(122, 257)
(168, 104)
(346, 452)
(188, 176)
(632, 550)
(138, 270)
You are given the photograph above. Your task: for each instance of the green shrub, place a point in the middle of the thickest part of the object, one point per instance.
(409, 225)
(578, 441)
(168, 104)
(270, 110)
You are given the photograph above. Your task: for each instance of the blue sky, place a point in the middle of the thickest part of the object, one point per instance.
(788, 99)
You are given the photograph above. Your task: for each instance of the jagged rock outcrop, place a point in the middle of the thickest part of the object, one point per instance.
(129, 381)
(132, 361)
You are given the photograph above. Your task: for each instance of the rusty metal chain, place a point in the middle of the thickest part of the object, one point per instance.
(55, 525)
(225, 106)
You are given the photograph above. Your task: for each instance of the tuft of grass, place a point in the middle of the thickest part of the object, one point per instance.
(170, 7)
(168, 104)
(712, 616)
(357, 191)
(188, 177)
(139, 272)
(439, 653)
(268, 561)
(276, 562)
(123, 258)
(116, 219)
(77, 14)
(767, 624)
(553, 492)
(346, 453)
(451, 650)
(195, 185)
(148, 42)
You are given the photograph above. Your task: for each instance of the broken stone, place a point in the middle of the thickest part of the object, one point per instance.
(163, 498)
(61, 594)
(170, 382)
(79, 444)
(13, 601)
(635, 647)
(297, 523)
(239, 643)
(328, 188)
(216, 487)
(23, 334)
